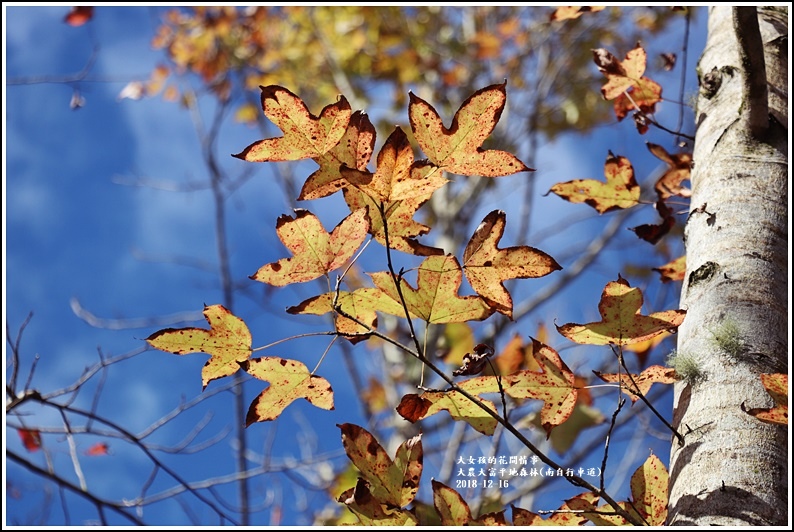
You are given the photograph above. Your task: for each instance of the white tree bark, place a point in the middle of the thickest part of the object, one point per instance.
(732, 468)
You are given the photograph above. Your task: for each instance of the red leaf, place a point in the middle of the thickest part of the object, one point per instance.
(31, 439)
(79, 15)
(98, 449)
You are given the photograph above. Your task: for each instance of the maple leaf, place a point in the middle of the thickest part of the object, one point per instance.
(397, 176)
(435, 298)
(353, 150)
(454, 511)
(361, 304)
(649, 485)
(620, 191)
(316, 253)
(289, 380)
(675, 270)
(305, 135)
(459, 149)
(392, 482)
(620, 74)
(414, 407)
(394, 193)
(643, 381)
(398, 219)
(679, 170)
(371, 511)
(776, 385)
(621, 322)
(642, 96)
(554, 386)
(228, 341)
(487, 267)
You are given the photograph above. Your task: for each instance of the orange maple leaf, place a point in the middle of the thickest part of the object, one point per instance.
(643, 381)
(305, 135)
(394, 193)
(353, 151)
(454, 511)
(487, 267)
(228, 341)
(620, 191)
(621, 322)
(459, 149)
(316, 252)
(393, 482)
(289, 380)
(435, 299)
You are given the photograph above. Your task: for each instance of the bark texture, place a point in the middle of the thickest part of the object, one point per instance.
(732, 468)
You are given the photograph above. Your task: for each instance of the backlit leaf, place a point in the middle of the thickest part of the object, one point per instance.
(643, 381)
(391, 482)
(641, 97)
(454, 511)
(398, 216)
(554, 386)
(353, 151)
(620, 191)
(316, 253)
(459, 149)
(305, 135)
(289, 380)
(397, 177)
(414, 407)
(649, 485)
(620, 74)
(436, 298)
(228, 341)
(361, 304)
(373, 512)
(450, 505)
(487, 267)
(621, 322)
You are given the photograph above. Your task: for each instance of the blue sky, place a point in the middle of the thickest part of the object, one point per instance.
(78, 227)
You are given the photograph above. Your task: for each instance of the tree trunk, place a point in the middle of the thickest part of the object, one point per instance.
(732, 468)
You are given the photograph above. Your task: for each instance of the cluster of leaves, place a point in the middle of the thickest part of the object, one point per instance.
(319, 49)
(383, 204)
